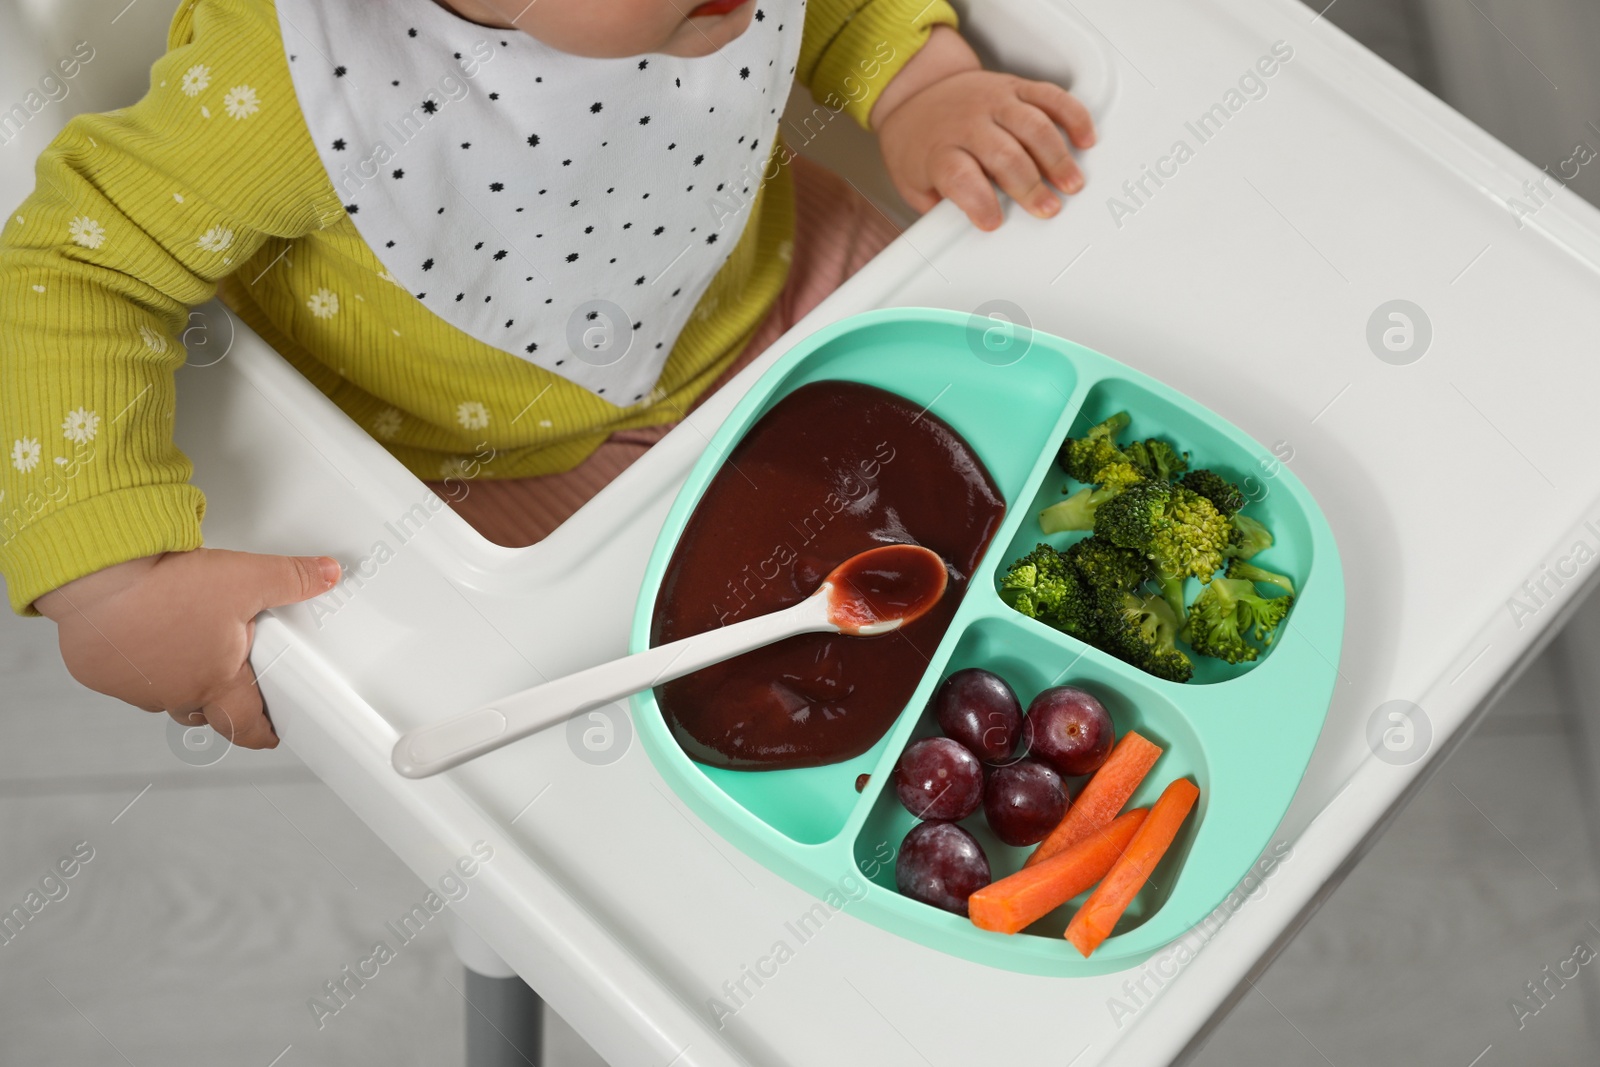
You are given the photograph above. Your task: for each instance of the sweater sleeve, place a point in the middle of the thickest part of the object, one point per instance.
(135, 216)
(852, 49)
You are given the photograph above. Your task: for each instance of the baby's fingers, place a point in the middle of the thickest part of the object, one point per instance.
(1014, 170)
(1067, 110)
(1038, 134)
(238, 714)
(958, 178)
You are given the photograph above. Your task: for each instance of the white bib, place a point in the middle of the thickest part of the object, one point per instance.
(570, 211)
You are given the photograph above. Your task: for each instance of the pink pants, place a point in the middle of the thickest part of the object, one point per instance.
(836, 232)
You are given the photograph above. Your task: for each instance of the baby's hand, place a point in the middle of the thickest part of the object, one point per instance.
(172, 632)
(949, 139)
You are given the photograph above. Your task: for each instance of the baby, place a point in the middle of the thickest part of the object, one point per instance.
(536, 231)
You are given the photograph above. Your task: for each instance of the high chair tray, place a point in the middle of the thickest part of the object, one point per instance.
(1243, 733)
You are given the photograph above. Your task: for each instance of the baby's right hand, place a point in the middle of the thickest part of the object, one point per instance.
(172, 632)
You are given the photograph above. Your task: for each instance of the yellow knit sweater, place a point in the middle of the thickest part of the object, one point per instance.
(211, 183)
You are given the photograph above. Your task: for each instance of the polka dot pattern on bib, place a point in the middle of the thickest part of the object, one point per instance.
(566, 210)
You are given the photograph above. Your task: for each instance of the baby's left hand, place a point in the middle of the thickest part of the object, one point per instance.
(949, 139)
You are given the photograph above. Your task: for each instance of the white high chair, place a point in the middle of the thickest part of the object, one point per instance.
(1247, 278)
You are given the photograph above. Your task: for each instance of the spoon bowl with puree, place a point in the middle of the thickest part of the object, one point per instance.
(871, 593)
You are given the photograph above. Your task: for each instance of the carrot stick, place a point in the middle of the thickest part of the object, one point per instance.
(1103, 797)
(1127, 876)
(1012, 903)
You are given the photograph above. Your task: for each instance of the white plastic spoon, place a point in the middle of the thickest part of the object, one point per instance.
(873, 592)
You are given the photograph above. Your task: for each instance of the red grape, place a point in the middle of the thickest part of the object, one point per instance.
(1068, 729)
(937, 778)
(941, 864)
(1024, 801)
(978, 709)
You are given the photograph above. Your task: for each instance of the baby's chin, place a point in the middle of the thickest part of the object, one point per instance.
(705, 34)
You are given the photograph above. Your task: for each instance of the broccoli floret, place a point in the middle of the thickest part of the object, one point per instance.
(1225, 610)
(1247, 538)
(1104, 567)
(1037, 579)
(1251, 573)
(1216, 623)
(1177, 529)
(1264, 614)
(1041, 585)
(1082, 456)
(1095, 460)
(1223, 494)
(1198, 537)
(1132, 626)
(1172, 592)
(1118, 474)
(1155, 458)
(1077, 511)
(1141, 630)
(1134, 517)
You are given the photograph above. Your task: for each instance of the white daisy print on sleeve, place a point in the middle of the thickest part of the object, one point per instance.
(80, 426)
(195, 80)
(386, 424)
(454, 467)
(472, 415)
(87, 232)
(324, 303)
(25, 452)
(152, 340)
(241, 102)
(216, 239)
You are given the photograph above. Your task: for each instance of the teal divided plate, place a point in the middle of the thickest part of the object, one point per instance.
(1243, 733)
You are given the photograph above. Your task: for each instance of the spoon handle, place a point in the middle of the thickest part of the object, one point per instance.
(430, 749)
